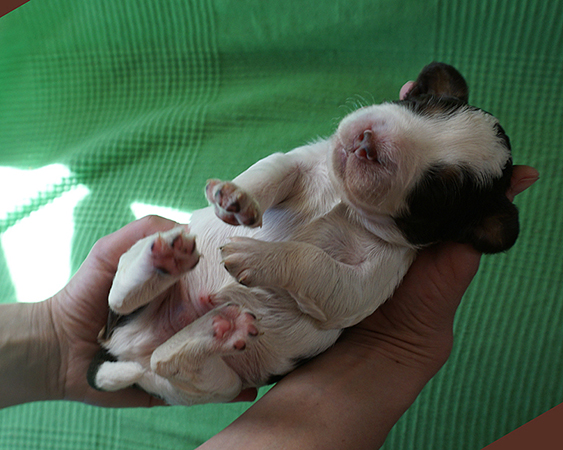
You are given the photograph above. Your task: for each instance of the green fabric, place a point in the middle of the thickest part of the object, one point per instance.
(142, 101)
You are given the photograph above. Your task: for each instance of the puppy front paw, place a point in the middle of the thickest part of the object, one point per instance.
(232, 204)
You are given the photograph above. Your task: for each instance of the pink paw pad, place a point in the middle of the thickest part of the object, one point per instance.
(205, 303)
(232, 327)
(233, 205)
(174, 256)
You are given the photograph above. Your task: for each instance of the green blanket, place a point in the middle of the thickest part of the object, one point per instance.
(110, 109)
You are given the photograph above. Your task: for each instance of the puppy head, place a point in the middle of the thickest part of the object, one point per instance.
(435, 165)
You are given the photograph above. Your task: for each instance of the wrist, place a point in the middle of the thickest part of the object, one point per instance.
(349, 397)
(29, 351)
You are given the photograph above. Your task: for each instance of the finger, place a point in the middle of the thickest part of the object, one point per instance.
(135, 398)
(111, 247)
(97, 271)
(406, 89)
(433, 287)
(522, 178)
(126, 398)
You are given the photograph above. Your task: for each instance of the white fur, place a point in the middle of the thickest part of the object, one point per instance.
(415, 142)
(119, 376)
(327, 255)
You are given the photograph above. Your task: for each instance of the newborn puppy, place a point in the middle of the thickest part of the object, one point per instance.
(312, 241)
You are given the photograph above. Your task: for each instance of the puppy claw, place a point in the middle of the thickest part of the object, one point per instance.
(233, 205)
(175, 256)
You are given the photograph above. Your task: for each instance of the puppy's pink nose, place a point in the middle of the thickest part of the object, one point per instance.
(365, 146)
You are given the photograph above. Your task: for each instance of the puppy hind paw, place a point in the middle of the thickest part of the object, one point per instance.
(233, 326)
(113, 376)
(174, 255)
(226, 330)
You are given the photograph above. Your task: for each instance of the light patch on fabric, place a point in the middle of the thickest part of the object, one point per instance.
(37, 247)
(144, 209)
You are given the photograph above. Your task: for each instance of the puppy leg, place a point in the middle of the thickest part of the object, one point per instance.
(113, 376)
(336, 294)
(150, 267)
(281, 264)
(232, 204)
(192, 358)
(269, 182)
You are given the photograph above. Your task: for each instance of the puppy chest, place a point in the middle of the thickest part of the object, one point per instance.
(343, 241)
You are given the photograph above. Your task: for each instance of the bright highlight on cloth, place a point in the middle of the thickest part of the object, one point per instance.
(37, 248)
(143, 209)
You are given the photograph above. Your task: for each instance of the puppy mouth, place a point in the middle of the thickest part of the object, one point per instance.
(365, 151)
(371, 151)
(366, 148)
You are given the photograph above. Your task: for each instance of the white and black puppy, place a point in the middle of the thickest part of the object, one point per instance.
(313, 241)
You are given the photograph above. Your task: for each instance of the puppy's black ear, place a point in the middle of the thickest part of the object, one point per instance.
(496, 232)
(440, 80)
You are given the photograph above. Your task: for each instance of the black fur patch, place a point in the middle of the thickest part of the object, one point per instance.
(440, 80)
(439, 90)
(449, 204)
(117, 320)
(101, 357)
(430, 105)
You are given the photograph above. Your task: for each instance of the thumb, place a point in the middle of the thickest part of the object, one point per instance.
(110, 248)
(433, 288)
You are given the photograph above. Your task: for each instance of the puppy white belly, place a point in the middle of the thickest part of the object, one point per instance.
(289, 335)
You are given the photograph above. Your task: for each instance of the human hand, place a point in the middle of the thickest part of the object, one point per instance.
(79, 311)
(415, 327)
(354, 393)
